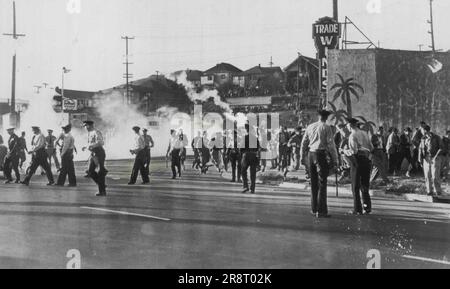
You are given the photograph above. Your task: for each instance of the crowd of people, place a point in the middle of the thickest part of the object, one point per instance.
(347, 149)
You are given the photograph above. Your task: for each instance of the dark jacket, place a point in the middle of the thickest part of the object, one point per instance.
(13, 145)
(435, 144)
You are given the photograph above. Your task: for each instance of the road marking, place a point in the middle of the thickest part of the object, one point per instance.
(126, 213)
(426, 259)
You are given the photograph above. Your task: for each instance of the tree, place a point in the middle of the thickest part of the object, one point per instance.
(345, 90)
(338, 116)
(368, 126)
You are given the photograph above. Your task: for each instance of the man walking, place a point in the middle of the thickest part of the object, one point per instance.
(392, 148)
(430, 155)
(140, 152)
(67, 165)
(360, 146)
(379, 157)
(39, 157)
(97, 158)
(250, 159)
(149, 144)
(50, 141)
(23, 150)
(175, 150)
(295, 143)
(11, 162)
(235, 157)
(318, 144)
(405, 151)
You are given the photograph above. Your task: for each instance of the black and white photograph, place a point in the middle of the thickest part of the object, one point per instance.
(215, 135)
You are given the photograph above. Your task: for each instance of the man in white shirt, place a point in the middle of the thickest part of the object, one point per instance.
(97, 158)
(318, 144)
(360, 146)
(39, 157)
(149, 144)
(140, 152)
(174, 150)
(67, 165)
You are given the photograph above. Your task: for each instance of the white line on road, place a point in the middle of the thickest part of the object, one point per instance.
(426, 259)
(126, 213)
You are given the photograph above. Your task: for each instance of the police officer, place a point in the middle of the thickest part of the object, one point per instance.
(67, 165)
(295, 142)
(149, 144)
(360, 147)
(50, 141)
(318, 145)
(250, 159)
(97, 158)
(141, 153)
(175, 150)
(11, 162)
(235, 157)
(39, 157)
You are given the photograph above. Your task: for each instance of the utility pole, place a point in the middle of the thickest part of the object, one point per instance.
(335, 10)
(15, 36)
(433, 47)
(271, 62)
(127, 75)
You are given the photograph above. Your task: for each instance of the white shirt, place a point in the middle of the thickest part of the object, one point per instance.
(139, 143)
(38, 142)
(95, 139)
(359, 141)
(68, 143)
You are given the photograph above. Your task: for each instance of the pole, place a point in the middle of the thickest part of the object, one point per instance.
(127, 63)
(433, 47)
(335, 10)
(13, 87)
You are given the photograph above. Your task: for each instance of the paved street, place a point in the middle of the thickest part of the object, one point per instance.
(205, 222)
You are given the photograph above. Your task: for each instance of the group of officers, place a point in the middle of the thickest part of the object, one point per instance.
(319, 149)
(43, 150)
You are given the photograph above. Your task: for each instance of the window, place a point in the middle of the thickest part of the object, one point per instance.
(210, 77)
(223, 76)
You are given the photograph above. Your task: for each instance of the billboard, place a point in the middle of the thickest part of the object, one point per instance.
(326, 35)
(69, 104)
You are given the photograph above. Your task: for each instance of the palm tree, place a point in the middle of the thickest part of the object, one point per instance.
(338, 116)
(345, 90)
(368, 126)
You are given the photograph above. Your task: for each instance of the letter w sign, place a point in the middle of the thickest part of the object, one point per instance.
(326, 40)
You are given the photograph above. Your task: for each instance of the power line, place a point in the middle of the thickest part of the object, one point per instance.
(433, 47)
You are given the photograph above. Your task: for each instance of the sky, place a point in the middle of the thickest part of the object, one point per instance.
(172, 35)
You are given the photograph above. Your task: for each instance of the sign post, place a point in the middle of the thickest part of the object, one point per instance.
(326, 35)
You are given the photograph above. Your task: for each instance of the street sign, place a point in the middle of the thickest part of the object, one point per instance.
(326, 34)
(70, 104)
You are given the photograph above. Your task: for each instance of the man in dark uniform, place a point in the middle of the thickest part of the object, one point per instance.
(141, 153)
(405, 151)
(235, 157)
(318, 145)
(11, 162)
(97, 158)
(23, 150)
(149, 144)
(67, 165)
(250, 159)
(283, 150)
(39, 157)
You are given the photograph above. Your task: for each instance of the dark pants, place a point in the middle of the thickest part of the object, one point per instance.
(404, 154)
(176, 162)
(236, 165)
(393, 159)
(415, 161)
(318, 169)
(40, 158)
(197, 159)
(97, 161)
(283, 156)
(361, 183)
(10, 164)
(249, 160)
(148, 158)
(67, 169)
(205, 158)
(140, 163)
